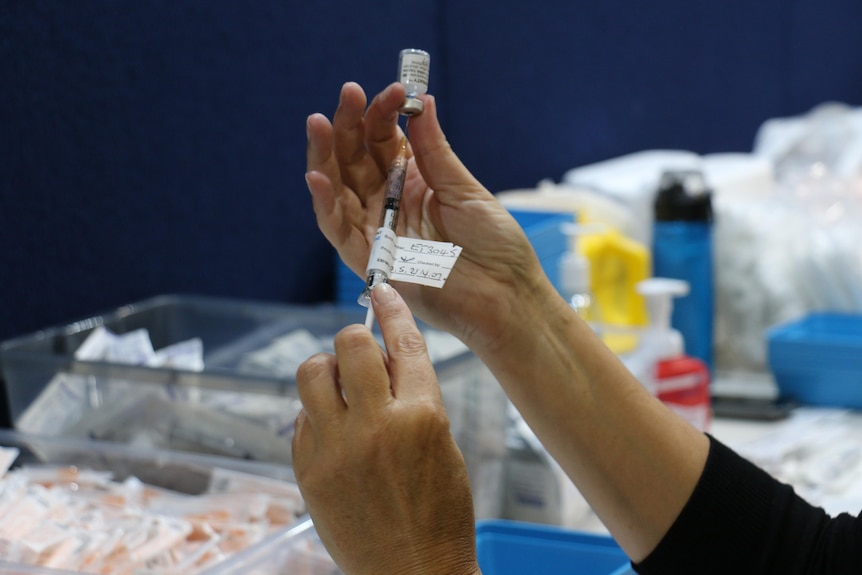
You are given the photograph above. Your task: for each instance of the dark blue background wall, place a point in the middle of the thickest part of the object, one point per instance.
(157, 146)
(541, 87)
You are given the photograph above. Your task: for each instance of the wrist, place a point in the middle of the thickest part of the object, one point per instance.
(534, 311)
(544, 340)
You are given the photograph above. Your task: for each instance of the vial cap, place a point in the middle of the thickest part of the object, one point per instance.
(411, 107)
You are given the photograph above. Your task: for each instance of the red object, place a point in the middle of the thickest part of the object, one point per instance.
(682, 384)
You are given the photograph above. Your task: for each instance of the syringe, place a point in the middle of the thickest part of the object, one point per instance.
(382, 257)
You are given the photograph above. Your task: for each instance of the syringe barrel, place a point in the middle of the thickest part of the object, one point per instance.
(382, 256)
(394, 188)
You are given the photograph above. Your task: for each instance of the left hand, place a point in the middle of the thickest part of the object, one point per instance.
(348, 162)
(378, 468)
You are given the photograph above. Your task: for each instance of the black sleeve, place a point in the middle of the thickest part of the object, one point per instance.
(741, 520)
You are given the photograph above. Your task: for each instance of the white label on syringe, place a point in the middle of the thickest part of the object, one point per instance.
(424, 262)
(382, 252)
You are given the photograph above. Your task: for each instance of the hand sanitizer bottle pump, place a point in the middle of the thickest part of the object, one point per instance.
(678, 380)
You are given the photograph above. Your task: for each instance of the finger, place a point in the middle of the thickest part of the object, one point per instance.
(332, 210)
(319, 391)
(335, 206)
(410, 366)
(319, 154)
(348, 126)
(443, 171)
(364, 376)
(382, 133)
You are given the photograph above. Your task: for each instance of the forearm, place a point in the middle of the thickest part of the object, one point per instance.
(632, 458)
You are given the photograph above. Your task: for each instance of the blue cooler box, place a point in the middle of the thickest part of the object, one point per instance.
(515, 548)
(817, 360)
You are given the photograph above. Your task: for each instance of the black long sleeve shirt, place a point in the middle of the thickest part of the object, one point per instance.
(741, 520)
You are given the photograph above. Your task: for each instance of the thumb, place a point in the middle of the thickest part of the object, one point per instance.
(438, 163)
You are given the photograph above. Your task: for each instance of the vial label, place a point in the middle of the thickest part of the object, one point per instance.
(414, 71)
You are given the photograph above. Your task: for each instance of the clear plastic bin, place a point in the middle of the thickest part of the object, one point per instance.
(292, 549)
(235, 407)
(296, 551)
(7, 568)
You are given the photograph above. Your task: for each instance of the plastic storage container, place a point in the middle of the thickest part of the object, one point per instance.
(7, 568)
(515, 548)
(817, 360)
(292, 549)
(296, 551)
(237, 406)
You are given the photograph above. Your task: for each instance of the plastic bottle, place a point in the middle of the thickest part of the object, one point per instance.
(575, 280)
(682, 249)
(661, 364)
(631, 181)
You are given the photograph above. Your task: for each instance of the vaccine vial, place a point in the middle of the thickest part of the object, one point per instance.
(413, 68)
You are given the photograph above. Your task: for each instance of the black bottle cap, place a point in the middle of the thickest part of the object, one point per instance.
(683, 196)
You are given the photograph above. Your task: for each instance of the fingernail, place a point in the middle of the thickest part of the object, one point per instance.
(383, 293)
(308, 128)
(308, 184)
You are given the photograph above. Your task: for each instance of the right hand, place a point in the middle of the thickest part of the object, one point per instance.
(376, 463)
(348, 160)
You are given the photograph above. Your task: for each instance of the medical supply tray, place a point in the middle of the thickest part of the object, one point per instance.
(513, 548)
(817, 359)
(292, 549)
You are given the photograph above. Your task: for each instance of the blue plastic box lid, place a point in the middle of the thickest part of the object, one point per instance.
(514, 548)
(817, 360)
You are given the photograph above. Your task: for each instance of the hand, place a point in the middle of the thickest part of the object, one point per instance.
(381, 475)
(348, 160)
